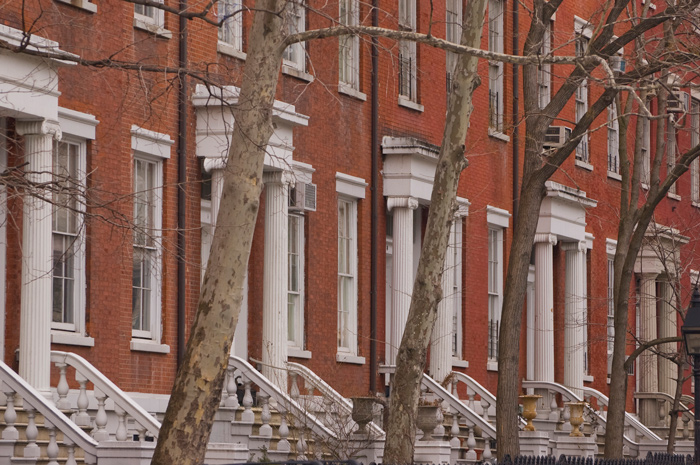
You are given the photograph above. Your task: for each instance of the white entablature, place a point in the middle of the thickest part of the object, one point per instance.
(409, 168)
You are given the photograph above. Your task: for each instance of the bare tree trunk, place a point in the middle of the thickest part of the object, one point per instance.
(427, 291)
(196, 394)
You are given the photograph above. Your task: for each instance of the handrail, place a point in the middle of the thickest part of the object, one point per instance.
(685, 411)
(328, 392)
(478, 389)
(62, 423)
(282, 398)
(629, 419)
(467, 413)
(101, 382)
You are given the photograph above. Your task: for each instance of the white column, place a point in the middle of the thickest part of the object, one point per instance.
(274, 349)
(217, 185)
(648, 366)
(35, 319)
(441, 338)
(402, 272)
(668, 327)
(574, 316)
(544, 307)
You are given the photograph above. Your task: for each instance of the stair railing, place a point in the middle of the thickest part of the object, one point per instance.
(104, 389)
(34, 402)
(687, 416)
(631, 422)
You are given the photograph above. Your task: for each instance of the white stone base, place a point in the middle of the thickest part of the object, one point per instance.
(218, 453)
(432, 452)
(573, 446)
(534, 443)
(123, 452)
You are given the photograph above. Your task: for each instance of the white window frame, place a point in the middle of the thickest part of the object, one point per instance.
(77, 128)
(694, 141)
(581, 98)
(610, 246)
(455, 248)
(408, 53)
(295, 324)
(453, 33)
(496, 14)
(295, 21)
(231, 30)
(153, 148)
(349, 46)
(497, 221)
(613, 141)
(151, 19)
(646, 151)
(671, 153)
(347, 327)
(544, 70)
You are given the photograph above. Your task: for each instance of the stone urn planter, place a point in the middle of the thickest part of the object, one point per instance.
(427, 420)
(362, 412)
(529, 410)
(576, 420)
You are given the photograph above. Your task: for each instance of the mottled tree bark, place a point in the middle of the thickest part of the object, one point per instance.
(196, 394)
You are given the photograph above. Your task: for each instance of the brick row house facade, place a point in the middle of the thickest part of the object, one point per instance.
(105, 274)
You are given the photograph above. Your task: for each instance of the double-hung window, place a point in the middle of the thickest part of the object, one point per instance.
(455, 249)
(671, 151)
(407, 52)
(611, 246)
(496, 68)
(295, 21)
(646, 149)
(453, 33)
(495, 286)
(295, 286)
(150, 18)
(150, 149)
(694, 141)
(581, 98)
(544, 70)
(613, 140)
(68, 236)
(347, 275)
(231, 30)
(349, 45)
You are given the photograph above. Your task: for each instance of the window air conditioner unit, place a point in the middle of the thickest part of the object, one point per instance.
(556, 136)
(302, 197)
(677, 102)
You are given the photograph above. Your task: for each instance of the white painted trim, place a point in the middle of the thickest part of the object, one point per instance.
(498, 135)
(144, 345)
(227, 49)
(298, 353)
(346, 357)
(456, 363)
(583, 27)
(492, 365)
(151, 143)
(351, 186)
(610, 246)
(71, 338)
(82, 4)
(584, 165)
(348, 90)
(76, 123)
(410, 104)
(497, 216)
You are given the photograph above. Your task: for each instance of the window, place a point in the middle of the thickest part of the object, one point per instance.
(150, 149)
(610, 246)
(231, 31)
(68, 292)
(295, 17)
(671, 151)
(495, 282)
(347, 276)
(453, 33)
(496, 67)
(613, 140)
(149, 18)
(349, 46)
(544, 70)
(295, 286)
(646, 149)
(582, 103)
(694, 141)
(455, 248)
(407, 51)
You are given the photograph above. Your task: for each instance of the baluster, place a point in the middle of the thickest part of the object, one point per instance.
(31, 450)
(10, 432)
(471, 445)
(265, 429)
(141, 430)
(232, 389)
(82, 418)
(486, 454)
(686, 429)
(70, 445)
(294, 393)
(554, 412)
(454, 431)
(566, 416)
(440, 428)
(52, 447)
(283, 431)
(62, 387)
(101, 433)
(247, 416)
(470, 399)
(121, 434)
(485, 406)
(454, 387)
(301, 445)
(662, 412)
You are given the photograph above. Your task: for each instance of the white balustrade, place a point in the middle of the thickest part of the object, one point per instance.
(247, 416)
(265, 429)
(10, 432)
(52, 447)
(283, 444)
(31, 450)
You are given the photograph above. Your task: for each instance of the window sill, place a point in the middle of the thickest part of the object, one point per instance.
(343, 357)
(695, 203)
(645, 186)
(298, 353)
(587, 378)
(81, 4)
(351, 92)
(290, 70)
(673, 196)
(498, 135)
(492, 365)
(614, 175)
(143, 345)
(230, 50)
(584, 165)
(457, 363)
(410, 104)
(152, 28)
(71, 339)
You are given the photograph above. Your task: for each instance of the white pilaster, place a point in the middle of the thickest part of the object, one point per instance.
(544, 307)
(575, 315)
(402, 272)
(35, 319)
(648, 363)
(274, 349)
(217, 185)
(668, 327)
